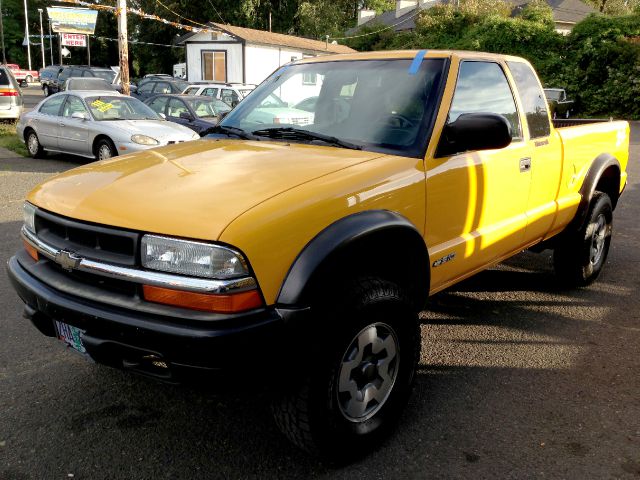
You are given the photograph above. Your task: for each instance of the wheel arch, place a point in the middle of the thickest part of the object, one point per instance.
(603, 176)
(375, 242)
(99, 137)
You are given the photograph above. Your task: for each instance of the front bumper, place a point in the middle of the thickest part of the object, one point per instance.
(164, 344)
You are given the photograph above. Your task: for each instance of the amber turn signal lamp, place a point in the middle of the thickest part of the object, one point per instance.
(208, 302)
(33, 253)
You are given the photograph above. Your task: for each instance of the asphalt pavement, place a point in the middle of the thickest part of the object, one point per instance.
(518, 379)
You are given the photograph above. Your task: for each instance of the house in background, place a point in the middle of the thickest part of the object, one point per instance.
(243, 55)
(566, 13)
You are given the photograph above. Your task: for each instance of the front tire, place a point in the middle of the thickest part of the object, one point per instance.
(33, 145)
(356, 385)
(105, 149)
(580, 256)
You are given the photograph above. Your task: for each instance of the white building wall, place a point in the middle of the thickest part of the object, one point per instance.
(234, 60)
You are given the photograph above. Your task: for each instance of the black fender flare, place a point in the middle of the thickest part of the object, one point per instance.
(599, 166)
(344, 233)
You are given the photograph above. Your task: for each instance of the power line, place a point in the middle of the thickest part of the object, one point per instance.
(217, 12)
(139, 42)
(180, 16)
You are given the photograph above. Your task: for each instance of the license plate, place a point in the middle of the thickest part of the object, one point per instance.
(71, 335)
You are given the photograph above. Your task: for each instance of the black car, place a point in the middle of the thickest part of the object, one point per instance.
(152, 86)
(53, 84)
(196, 112)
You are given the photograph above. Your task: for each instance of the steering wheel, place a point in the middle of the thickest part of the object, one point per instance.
(399, 121)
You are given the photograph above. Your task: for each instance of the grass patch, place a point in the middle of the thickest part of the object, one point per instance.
(9, 139)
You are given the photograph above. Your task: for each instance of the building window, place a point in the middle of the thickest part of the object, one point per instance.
(214, 66)
(309, 78)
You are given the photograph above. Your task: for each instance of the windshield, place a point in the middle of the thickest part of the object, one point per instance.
(208, 107)
(378, 105)
(553, 94)
(105, 108)
(107, 75)
(88, 84)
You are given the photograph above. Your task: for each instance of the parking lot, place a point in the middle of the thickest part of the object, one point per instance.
(518, 379)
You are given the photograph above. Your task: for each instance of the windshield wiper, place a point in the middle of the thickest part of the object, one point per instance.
(299, 133)
(238, 132)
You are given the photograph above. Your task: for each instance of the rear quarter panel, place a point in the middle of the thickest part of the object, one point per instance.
(581, 145)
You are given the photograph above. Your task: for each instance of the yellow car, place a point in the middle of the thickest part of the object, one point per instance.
(300, 255)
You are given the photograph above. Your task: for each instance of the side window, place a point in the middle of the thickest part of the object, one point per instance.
(176, 107)
(483, 88)
(230, 97)
(210, 92)
(191, 90)
(52, 106)
(66, 73)
(158, 104)
(72, 105)
(146, 88)
(533, 99)
(162, 87)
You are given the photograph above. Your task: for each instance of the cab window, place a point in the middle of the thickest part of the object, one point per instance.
(533, 99)
(482, 87)
(52, 106)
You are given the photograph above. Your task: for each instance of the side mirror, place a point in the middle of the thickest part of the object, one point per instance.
(186, 116)
(474, 131)
(79, 115)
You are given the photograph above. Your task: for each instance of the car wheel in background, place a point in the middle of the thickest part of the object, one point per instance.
(105, 149)
(28, 79)
(33, 145)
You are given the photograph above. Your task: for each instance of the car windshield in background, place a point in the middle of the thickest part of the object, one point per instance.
(208, 107)
(553, 94)
(105, 108)
(109, 76)
(377, 105)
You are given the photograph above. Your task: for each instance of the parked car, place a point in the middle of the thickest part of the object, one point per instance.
(559, 106)
(303, 260)
(11, 102)
(155, 85)
(24, 77)
(273, 110)
(55, 82)
(230, 93)
(87, 83)
(96, 124)
(197, 113)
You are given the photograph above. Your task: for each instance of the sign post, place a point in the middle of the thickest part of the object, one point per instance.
(123, 46)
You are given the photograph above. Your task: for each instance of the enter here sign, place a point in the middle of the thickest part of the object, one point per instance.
(74, 40)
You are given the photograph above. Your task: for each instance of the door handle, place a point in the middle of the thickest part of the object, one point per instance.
(525, 164)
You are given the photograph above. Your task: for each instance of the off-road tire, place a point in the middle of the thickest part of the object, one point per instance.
(312, 413)
(580, 256)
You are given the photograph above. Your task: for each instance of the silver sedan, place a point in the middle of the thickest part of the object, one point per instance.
(96, 124)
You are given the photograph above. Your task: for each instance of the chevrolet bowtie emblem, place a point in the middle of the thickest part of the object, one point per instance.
(67, 260)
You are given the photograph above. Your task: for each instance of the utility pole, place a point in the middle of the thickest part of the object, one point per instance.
(4, 57)
(50, 40)
(123, 46)
(26, 33)
(41, 39)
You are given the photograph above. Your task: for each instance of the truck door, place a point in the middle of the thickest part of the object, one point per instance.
(476, 200)
(546, 156)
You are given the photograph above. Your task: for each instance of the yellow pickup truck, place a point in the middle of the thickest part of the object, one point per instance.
(299, 254)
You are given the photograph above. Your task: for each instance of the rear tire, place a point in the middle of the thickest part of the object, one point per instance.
(358, 378)
(105, 149)
(579, 257)
(33, 145)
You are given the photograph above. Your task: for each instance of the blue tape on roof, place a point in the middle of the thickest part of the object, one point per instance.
(417, 60)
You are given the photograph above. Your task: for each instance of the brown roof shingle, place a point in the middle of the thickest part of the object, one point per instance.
(270, 38)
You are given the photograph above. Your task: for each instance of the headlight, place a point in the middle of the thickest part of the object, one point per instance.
(144, 140)
(192, 258)
(29, 212)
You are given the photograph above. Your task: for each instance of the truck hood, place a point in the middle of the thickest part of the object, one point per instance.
(193, 189)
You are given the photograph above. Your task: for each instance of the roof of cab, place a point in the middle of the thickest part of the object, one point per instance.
(407, 54)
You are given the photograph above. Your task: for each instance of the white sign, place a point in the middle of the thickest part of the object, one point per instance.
(74, 40)
(65, 52)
